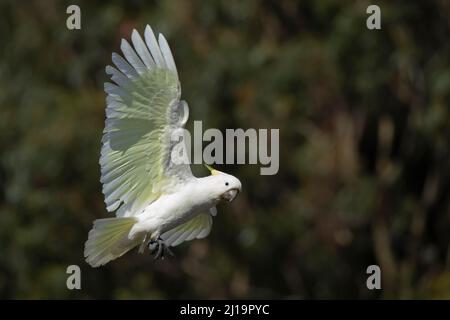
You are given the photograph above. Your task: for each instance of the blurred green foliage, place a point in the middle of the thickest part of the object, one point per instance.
(364, 153)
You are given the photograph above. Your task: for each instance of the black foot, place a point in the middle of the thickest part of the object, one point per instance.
(158, 248)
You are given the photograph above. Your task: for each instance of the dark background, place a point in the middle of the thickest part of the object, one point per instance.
(364, 147)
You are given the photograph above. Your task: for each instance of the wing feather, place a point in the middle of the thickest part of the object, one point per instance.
(143, 111)
(142, 50)
(118, 77)
(155, 50)
(124, 66)
(132, 57)
(196, 228)
(167, 54)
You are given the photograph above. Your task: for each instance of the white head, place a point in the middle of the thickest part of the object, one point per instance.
(223, 186)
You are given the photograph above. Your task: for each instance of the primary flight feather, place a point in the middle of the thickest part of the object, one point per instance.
(157, 200)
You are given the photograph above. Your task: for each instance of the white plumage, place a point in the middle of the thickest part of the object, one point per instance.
(158, 202)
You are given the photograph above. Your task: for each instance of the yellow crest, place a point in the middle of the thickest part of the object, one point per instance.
(213, 171)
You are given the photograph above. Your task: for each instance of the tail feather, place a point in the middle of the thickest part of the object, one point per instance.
(108, 240)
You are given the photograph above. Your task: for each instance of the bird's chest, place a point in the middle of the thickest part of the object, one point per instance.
(172, 210)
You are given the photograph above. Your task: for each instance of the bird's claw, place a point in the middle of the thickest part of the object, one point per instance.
(158, 248)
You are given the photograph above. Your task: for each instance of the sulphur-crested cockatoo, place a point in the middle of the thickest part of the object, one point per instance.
(158, 202)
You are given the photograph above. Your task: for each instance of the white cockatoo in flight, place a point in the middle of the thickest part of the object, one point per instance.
(158, 202)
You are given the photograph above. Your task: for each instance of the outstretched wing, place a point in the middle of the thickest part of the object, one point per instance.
(143, 113)
(196, 228)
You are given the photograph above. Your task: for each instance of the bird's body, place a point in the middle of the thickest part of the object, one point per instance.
(156, 198)
(174, 209)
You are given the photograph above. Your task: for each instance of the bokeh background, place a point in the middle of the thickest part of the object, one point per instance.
(364, 147)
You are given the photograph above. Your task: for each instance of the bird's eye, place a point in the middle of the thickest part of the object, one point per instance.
(226, 183)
